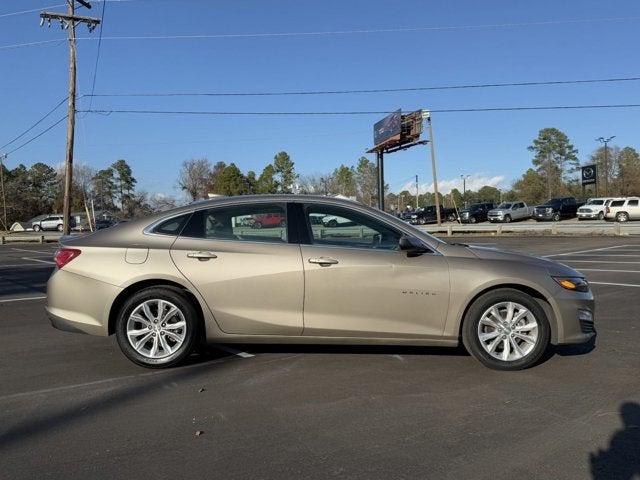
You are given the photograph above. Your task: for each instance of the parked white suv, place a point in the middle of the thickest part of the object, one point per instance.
(623, 209)
(594, 208)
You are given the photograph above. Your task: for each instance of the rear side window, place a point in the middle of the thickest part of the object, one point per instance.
(617, 203)
(633, 203)
(248, 223)
(173, 226)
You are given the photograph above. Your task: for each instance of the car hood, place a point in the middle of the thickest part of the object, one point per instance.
(545, 205)
(492, 254)
(497, 211)
(553, 267)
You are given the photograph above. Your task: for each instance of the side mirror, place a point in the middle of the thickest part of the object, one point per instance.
(412, 246)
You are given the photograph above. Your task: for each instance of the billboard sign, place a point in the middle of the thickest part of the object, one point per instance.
(388, 129)
(589, 174)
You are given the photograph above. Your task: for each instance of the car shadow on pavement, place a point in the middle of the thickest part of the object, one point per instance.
(573, 350)
(354, 349)
(154, 382)
(621, 461)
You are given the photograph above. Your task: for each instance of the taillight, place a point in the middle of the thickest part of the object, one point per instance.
(65, 255)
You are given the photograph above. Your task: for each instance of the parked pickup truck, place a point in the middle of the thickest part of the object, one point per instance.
(509, 211)
(427, 214)
(476, 212)
(556, 209)
(595, 208)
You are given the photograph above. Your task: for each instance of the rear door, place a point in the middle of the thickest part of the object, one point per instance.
(634, 209)
(359, 284)
(251, 278)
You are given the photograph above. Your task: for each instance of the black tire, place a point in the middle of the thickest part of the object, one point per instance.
(37, 228)
(257, 225)
(451, 217)
(482, 304)
(472, 219)
(556, 217)
(183, 303)
(332, 223)
(283, 224)
(507, 219)
(60, 227)
(622, 217)
(601, 216)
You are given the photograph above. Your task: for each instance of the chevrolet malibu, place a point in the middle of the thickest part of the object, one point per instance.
(200, 274)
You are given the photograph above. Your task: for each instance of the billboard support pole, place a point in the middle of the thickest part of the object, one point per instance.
(433, 168)
(380, 166)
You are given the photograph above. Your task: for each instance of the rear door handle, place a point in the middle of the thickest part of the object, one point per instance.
(324, 261)
(202, 255)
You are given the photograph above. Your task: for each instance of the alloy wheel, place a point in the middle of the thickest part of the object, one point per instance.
(156, 328)
(508, 331)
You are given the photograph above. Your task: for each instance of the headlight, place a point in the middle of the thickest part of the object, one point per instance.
(577, 284)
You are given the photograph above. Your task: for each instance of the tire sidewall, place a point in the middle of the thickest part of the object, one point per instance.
(480, 305)
(174, 296)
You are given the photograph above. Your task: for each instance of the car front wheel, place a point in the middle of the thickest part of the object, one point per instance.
(36, 228)
(506, 329)
(157, 327)
(60, 227)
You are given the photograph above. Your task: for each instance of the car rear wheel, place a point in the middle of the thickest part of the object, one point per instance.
(36, 228)
(257, 225)
(60, 227)
(622, 217)
(157, 327)
(556, 217)
(506, 329)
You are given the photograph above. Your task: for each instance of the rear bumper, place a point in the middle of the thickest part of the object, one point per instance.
(79, 304)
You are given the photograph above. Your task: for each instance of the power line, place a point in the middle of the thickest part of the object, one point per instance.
(37, 136)
(338, 32)
(375, 90)
(447, 110)
(11, 14)
(36, 123)
(95, 68)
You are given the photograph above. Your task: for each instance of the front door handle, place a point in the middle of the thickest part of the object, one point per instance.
(324, 261)
(202, 255)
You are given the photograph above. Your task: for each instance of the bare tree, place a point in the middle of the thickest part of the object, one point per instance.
(160, 202)
(194, 176)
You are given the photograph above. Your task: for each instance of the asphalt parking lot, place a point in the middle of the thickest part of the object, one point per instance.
(71, 406)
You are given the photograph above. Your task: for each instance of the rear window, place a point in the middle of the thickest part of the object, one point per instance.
(633, 203)
(617, 203)
(173, 226)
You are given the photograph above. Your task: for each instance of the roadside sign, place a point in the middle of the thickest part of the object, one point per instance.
(589, 174)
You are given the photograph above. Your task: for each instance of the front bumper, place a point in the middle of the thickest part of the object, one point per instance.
(575, 318)
(543, 215)
(79, 304)
(588, 215)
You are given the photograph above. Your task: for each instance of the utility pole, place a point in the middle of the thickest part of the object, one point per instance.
(433, 166)
(464, 189)
(69, 21)
(380, 162)
(4, 197)
(605, 142)
(417, 192)
(548, 175)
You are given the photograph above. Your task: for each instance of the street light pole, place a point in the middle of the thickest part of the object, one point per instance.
(464, 189)
(605, 142)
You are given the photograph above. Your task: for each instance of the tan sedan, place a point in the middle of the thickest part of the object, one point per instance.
(204, 273)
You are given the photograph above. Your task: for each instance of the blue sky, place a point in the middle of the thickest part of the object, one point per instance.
(489, 146)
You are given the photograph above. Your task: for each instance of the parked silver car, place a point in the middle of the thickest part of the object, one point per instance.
(509, 211)
(623, 209)
(164, 284)
(52, 222)
(594, 208)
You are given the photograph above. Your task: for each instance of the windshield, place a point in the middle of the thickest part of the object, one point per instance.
(553, 201)
(505, 205)
(595, 202)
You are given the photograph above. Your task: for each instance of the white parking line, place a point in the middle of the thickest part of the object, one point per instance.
(23, 299)
(37, 260)
(30, 265)
(607, 270)
(587, 251)
(32, 251)
(569, 260)
(595, 254)
(233, 351)
(615, 284)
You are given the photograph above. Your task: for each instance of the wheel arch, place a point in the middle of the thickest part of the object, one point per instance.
(147, 283)
(536, 294)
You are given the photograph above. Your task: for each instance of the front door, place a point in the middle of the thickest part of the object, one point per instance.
(358, 282)
(250, 277)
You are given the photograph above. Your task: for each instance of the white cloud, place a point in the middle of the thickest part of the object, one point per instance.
(474, 182)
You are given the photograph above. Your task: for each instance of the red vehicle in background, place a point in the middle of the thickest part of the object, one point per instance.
(268, 220)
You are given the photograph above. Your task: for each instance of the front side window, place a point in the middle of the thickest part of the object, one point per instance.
(249, 223)
(342, 227)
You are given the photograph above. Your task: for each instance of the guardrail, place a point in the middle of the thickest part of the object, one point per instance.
(547, 228)
(4, 239)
